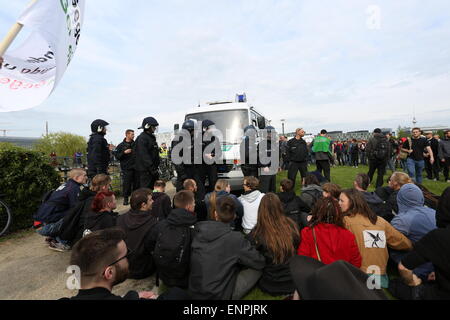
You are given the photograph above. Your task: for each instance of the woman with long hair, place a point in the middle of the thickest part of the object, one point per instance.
(373, 234)
(276, 236)
(223, 188)
(325, 238)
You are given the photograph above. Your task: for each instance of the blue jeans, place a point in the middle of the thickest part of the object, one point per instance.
(415, 169)
(52, 230)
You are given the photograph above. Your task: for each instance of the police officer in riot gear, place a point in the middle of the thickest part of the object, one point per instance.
(194, 167)
(211, 153)
(98, 154)
(177, 156)
(146, 151)
(268, 155)
(249, 152)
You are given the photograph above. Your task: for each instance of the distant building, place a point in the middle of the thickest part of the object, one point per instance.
(27, 143)
(431, 128)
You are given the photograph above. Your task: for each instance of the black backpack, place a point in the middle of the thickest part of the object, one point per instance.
(172, 253)
(381, 151)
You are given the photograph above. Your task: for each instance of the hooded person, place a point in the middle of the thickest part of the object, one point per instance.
(137, 225)
(339, 280)
(414, 220)
(433, 248)
(98, 154)
(250, 201)
(311, 190)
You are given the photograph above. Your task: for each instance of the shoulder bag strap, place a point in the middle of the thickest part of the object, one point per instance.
(315, 244)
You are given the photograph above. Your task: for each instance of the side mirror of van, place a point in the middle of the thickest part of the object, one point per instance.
(261, 122)
(176, 127)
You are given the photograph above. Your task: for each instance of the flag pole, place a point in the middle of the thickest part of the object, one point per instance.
(12, 34)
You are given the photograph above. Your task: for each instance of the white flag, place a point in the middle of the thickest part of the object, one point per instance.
(32, 71)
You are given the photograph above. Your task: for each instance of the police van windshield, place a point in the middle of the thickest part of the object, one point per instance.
(230, 122)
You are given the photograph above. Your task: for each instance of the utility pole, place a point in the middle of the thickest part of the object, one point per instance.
(46, 128)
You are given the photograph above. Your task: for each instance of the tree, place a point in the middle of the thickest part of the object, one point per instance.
(401, 133)
(63, 143)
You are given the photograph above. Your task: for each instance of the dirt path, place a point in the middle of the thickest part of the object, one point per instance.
(31, 271)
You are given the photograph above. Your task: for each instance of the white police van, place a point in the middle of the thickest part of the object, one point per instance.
(230, 117)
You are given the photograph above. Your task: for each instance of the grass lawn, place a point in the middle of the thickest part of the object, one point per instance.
(344, 176)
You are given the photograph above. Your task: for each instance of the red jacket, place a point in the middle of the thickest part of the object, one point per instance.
(333, 242)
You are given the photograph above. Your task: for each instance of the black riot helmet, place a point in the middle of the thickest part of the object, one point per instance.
(188, 125)
(250, 128)
(268, 132)
(149, 122)
(207, 123)
(98, 126)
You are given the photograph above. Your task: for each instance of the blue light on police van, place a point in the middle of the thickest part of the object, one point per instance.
(241, 98)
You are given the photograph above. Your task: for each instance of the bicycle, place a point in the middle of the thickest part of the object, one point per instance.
(5, 218)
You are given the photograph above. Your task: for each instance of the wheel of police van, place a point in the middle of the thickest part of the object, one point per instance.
(5, 218)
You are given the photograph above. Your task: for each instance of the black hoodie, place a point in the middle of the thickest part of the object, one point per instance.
(96, 221)
(161, 205)
(137, 226)
(443, 210)
(217, 254)
(179, 224)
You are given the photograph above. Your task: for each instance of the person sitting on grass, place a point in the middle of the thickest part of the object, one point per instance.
(57, 205)
(325, 238)
(200, 206)
(102, 213)
(331, 190)
(376, 204)
(102, 259)
(414, 220)
(218, 255)
(250, 200)
(222, 188)
(434, 247)
(389, 193)
(73, 225)
(311, 190)
(171, 239)
(277, 237)
(293, 206)
(373, 234)
(137, 224)
(162, 205)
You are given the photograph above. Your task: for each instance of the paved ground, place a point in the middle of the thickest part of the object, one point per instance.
(31, 271)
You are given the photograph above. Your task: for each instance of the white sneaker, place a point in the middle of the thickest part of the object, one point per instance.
(58, 246)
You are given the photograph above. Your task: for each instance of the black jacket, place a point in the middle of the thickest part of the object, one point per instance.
(249, 153)
(185, 220)
(127, 161)
(293, 205)
(137, 226)
(100, 220)
(162, 205)
(297, 150)
(372, 145)
(276, 278)
(60, 202)
(217, 254)
(73, 223)
(98, 155)
(146, 151)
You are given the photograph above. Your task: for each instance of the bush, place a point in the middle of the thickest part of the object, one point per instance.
(63, 143)
(25, 177)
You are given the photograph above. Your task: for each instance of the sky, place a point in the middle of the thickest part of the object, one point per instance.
(338, 64)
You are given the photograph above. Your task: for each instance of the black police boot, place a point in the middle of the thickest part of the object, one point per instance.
(125, 201)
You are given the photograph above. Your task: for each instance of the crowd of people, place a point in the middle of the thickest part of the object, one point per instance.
(207, 243)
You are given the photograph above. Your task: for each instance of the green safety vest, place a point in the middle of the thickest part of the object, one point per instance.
(321, 144)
